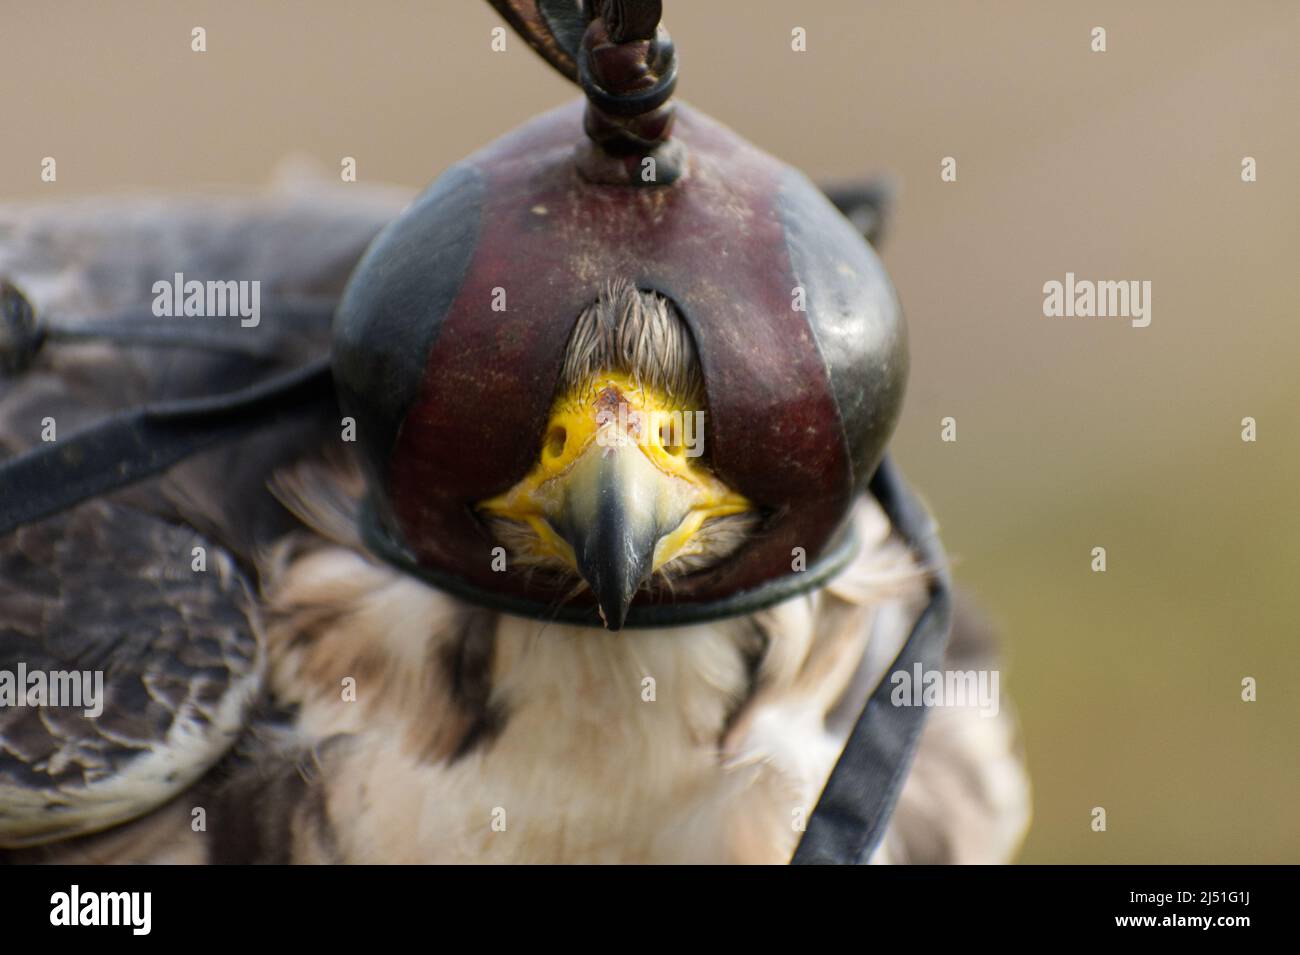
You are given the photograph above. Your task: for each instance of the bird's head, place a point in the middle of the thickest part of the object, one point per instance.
(621, 492)
(683, 444)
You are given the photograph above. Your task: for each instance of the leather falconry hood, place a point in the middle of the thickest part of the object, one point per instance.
(798, 330)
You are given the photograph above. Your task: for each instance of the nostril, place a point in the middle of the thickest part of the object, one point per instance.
(556, 438)
(669, 443)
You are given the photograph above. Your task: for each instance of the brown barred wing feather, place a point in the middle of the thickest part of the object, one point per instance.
(130, 653)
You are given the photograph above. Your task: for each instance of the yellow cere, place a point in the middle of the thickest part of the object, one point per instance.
(607, 406)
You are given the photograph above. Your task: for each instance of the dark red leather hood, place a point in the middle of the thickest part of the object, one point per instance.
(451, 397)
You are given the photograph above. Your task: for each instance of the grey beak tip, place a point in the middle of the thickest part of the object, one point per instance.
(613, 538)
(613, 608)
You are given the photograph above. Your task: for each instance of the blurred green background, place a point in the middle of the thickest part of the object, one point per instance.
(1072, 433)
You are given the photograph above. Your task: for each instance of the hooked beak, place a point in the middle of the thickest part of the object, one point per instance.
(616, 493)
(615, 502)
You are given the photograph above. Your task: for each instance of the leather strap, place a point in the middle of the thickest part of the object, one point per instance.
(860, 795)
(142, 442)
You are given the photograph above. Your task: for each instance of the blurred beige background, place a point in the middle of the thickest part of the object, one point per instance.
(1072, 433)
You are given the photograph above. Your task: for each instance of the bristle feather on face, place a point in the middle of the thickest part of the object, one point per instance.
(640, 334)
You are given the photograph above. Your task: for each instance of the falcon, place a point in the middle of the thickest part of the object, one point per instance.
(546, 519)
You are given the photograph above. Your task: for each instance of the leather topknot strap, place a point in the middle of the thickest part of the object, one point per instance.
(627, 67)
(622, 57)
